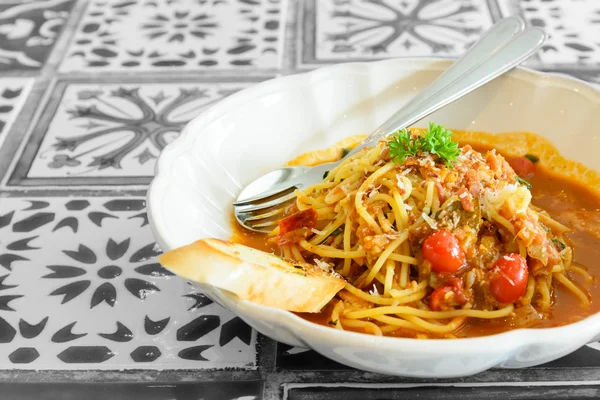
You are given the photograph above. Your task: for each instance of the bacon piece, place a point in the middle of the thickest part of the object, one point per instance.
(302, 219)
(441, 191)
(499, 165)
(354, 301)
(375, 244)
(448, 297)
(297, 226)
(473, 182)
(292, 237)
(466, 199)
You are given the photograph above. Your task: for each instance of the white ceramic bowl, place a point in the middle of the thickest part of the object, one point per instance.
(260, 128)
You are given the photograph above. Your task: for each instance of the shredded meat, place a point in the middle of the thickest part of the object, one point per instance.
(500, 167)
(466, 199)
(375, 244)
(294, 228)
(354, 301)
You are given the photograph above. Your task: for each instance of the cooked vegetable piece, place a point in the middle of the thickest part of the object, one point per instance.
(302, 219)
(523, 167)
(532, 158)
(509, 276)
(443, 251)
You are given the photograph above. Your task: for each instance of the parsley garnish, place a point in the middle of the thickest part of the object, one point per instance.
(336, 232)
(437, 140)
(523, 182)
(559, 244)
(532, 158)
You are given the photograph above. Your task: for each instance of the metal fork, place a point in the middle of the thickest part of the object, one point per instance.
(504, 46)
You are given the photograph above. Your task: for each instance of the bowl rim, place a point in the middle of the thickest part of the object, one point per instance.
(588, 328)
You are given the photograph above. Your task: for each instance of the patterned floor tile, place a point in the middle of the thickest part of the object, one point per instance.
(299, 359)
(428, 391)
(28, 31)
(99, 134)
(81, 289)
(183, 34)
(13, 92)
(337, 31)
(208, 390)
(573, 28)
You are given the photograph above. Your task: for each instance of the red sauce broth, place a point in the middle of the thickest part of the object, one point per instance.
(555, 194)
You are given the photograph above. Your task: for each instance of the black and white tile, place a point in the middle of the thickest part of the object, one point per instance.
(145, 35)
(300, 359)
(99, 134)
(351, 30)
(28, 31)
(81, 289)
(206, 390)
(457, 391)
(573, 28)
(13, 93)
(79, 286)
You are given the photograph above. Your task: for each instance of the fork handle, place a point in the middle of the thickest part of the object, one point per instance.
(503, 48)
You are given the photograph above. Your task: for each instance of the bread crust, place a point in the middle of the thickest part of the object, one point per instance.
(254, 275)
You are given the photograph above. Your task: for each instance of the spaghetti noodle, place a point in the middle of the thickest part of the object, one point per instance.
(427, 245)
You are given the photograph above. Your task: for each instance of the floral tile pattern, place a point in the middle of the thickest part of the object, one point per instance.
(13, 92)
(429, 391)
(146, 390)
(591, 77)
(28, 31)
(573, 28)
(338, 31)
(186, 34)
(105, 133)
(81, 289)
(291, 358)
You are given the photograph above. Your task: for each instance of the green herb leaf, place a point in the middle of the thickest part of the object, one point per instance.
(345, 152)
(560, 245)
(523, 182)
(532, 158)
(437, 140)
(336, 232)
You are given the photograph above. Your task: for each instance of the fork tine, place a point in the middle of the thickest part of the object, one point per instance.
(266, 204)
(265, 224)
(274, 191)
(265, 215)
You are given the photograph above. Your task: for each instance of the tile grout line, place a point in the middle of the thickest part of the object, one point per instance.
(291, 60)
(43, 78)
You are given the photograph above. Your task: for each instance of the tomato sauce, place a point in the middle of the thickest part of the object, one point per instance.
(567, 201)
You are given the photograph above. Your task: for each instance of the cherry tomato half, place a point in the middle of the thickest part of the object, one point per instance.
(443, 252)
(438, 297)
(523, 167)
(509, 278)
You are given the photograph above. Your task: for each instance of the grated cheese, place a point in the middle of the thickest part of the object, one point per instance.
(374, 292)
(429, 221)
(323, 265)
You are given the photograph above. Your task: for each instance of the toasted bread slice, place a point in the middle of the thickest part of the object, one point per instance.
(254, 275)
